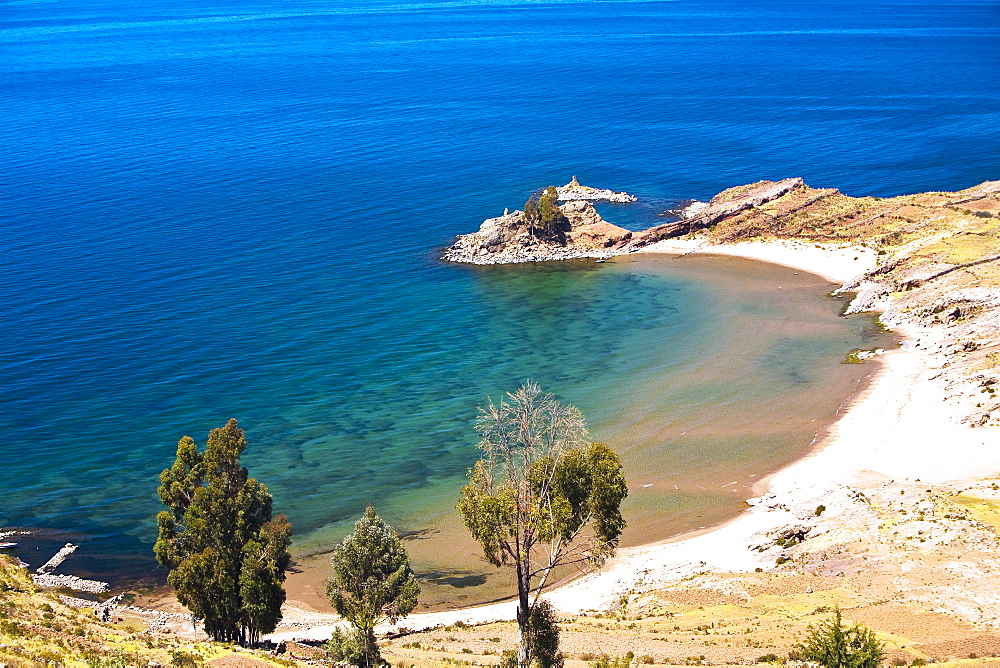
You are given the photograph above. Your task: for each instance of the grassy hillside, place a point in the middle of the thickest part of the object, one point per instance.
(39, 628)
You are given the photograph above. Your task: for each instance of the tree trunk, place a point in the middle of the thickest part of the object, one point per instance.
(523, 615)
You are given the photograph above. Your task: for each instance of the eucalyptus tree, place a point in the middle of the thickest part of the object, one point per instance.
(550, 216)
(227, 555)
(542, 214)
(541, 496)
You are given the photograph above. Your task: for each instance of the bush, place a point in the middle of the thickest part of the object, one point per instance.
(12, 629)
(605, 661)
(508, 659)
(834, 645)
(182, 659)
(544, 636)
(111, 662)
(346, 647)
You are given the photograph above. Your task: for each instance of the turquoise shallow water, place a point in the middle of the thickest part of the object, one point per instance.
(213, 209)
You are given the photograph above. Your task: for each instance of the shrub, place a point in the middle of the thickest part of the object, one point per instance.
(834, 645)
(12, 629)
(544, 636)
(346, 647)
(111, 662)
(605, 661)
(182, 659)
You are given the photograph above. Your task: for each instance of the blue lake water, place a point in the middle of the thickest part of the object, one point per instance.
(216, 209)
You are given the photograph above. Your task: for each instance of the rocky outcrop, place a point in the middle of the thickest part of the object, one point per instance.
(724, 205)
(588, 229)
(507, 239)
(574, 191)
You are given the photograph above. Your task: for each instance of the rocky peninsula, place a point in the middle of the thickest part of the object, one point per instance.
(935, 259)
(511, 239)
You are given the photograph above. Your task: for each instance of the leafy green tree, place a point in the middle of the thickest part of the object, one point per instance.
(550, 216)
(542, 214)
(542, 496)
(835, 645)
(531, 212)
(372, 582)
(227, 555)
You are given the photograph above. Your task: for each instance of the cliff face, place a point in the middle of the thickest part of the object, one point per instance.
(507, 239)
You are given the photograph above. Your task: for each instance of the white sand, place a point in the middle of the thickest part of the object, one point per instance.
(900, 427)
(838, 263)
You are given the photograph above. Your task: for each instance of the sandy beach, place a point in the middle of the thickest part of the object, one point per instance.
(899, 429)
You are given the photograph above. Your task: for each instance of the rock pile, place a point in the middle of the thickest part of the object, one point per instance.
(59, 557)
(46, 577)
(71, 582)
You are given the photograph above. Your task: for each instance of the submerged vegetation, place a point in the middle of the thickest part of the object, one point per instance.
(542, 496)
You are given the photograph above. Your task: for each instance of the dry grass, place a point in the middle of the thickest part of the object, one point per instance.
(38, 628)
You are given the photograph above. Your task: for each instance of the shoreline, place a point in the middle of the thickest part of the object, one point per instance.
(887, 430)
